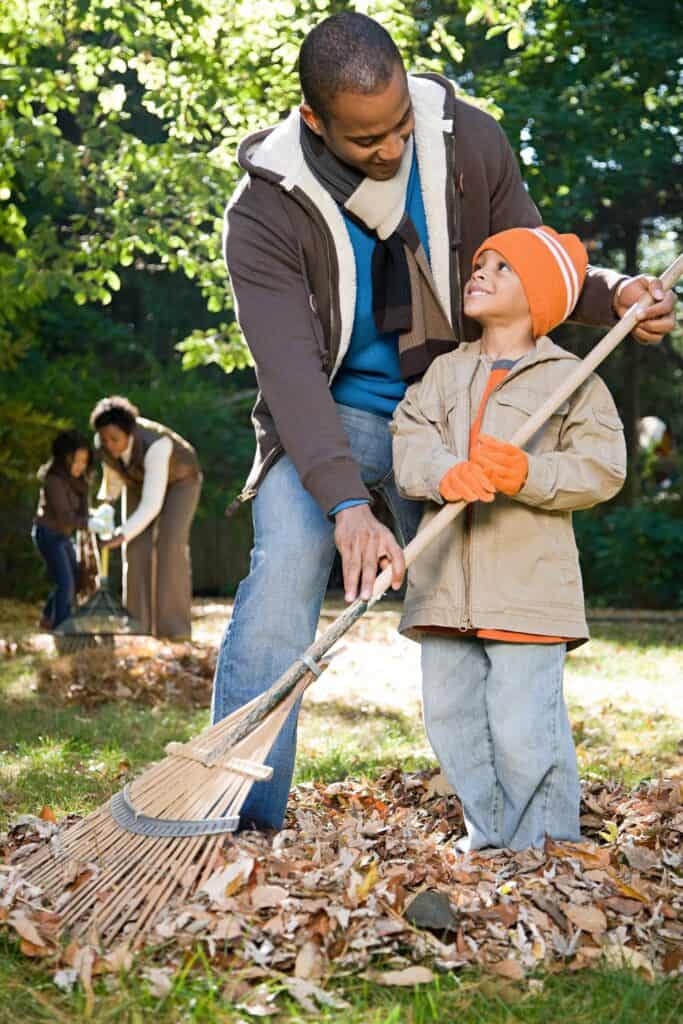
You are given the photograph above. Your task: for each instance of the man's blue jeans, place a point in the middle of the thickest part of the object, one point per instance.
(277, 606)
(496, 718)
(60, 559)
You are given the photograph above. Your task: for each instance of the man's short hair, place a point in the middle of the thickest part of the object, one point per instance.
(346, 52)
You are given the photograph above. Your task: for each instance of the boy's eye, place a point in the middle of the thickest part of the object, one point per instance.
(502, 265)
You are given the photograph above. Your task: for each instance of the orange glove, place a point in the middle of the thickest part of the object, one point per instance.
(466, 482)
(505, 465)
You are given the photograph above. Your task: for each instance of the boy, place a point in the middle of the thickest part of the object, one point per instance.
(497, 599)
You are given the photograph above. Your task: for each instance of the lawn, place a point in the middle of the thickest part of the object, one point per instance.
(359, 720)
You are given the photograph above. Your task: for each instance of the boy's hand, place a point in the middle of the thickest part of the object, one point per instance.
(466, 482)
(505, 465)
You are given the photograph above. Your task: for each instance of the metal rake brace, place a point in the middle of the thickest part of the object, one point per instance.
(125, 814)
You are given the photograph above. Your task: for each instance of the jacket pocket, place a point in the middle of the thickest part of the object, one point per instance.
(518, 404)
(609, 419)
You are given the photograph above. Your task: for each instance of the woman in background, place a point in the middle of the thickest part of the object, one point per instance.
(158, 471)
(62, 509)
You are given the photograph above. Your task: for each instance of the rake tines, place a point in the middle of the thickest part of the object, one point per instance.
(118, 868)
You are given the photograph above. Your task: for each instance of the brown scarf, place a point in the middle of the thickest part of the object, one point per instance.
(404, 293)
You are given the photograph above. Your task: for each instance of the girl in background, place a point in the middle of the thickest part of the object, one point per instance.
(62, 509)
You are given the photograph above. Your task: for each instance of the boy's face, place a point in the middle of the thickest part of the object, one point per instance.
(494, 294)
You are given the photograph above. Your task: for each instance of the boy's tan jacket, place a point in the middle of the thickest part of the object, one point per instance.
(514, 565)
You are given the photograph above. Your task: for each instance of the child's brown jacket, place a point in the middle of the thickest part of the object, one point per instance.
(515, 566)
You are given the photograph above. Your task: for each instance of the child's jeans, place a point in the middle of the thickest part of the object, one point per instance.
(496, 718)
(60, 558)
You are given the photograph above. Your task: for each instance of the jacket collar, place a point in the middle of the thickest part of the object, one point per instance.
(545, 351)
(275, 155)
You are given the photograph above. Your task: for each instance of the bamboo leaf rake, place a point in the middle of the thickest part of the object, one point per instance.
(159, 838)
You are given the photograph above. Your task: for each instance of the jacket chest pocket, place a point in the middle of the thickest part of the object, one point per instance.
(516, 405)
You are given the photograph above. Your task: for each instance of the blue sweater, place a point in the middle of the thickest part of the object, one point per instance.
(369, 378)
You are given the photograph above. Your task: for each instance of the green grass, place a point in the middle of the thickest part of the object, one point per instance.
(70, 758)
(201, 995)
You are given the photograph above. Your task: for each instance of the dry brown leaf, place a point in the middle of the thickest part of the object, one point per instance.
(673, 960)
(587, 918)
(160, 980)
(33, 950)
(267, 896)
(629, 891)
(47, 814)
(407, 977)
(641, 858)
(26, 929)
(309, 961)
(439, 785)
(587, 853)
(623, 906)
(624, 956)
(230, 880)
(510, 969)
(308, 994)
(119, 959)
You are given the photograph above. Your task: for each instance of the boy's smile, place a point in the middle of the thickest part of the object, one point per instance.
(494, 289)
(495, 297)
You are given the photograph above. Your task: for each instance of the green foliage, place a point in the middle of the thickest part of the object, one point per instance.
(118, 129)
(632, 557)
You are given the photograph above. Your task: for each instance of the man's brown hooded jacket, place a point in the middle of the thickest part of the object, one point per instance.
(292, 269)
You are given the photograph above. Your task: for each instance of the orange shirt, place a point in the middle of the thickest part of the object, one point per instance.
(499, 372)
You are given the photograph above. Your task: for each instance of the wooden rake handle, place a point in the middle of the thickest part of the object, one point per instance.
(583, 370)
(299, 675)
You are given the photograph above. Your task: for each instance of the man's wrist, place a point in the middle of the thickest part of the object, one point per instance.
(351, 503)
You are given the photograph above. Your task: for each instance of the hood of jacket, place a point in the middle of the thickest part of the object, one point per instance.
(275, 155)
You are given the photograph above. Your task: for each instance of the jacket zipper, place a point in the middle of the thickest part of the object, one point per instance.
(329, 357)
(454, 209)
(467, 533)
(333, 272)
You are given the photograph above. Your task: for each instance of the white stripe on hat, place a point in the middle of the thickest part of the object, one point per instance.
(567, 268)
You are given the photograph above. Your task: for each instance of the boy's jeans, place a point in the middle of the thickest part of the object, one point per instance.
(496, 718)
(278, 604)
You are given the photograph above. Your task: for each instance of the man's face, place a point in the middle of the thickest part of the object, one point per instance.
(368, 131)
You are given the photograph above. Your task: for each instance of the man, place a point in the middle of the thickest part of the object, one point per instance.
(348, 243)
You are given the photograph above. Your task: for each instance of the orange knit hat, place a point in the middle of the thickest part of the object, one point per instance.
(551, 268)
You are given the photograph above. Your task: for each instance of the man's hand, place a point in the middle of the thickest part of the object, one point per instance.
(363, 544)
(659, 319)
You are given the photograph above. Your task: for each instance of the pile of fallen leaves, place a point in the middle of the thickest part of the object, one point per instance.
(365, 879)
(143, 671)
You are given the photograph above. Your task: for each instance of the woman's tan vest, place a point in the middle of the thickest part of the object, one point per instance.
(183, 464)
